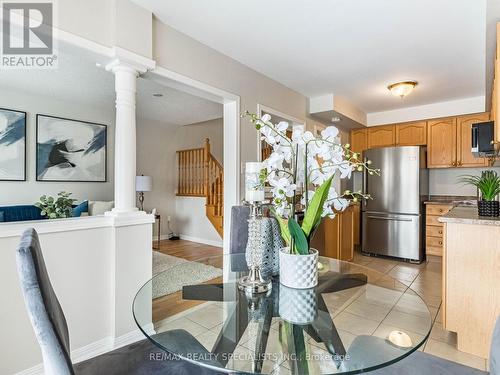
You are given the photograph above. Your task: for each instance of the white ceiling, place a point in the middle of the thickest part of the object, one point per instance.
(79, 80)
(353, 48)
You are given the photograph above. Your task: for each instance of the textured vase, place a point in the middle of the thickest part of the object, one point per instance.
(488, 208)
(299, 271)
(298, 306)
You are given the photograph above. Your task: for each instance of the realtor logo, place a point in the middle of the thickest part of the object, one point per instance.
(28, 35)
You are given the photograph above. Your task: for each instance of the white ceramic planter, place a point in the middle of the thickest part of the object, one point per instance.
(299, 271)
(298, 306)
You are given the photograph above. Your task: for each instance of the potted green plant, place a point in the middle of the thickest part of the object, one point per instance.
(488, 183)
(300, 171)
(56, 208)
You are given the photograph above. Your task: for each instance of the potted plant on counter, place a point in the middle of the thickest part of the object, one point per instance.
(300, 171)
(488, 184)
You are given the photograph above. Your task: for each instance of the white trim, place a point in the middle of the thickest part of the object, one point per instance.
(231, 102)
(95, 349)
(201, 240)
(423, 112)
(15, 229)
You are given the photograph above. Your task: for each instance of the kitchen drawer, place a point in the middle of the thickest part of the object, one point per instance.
(434, 231)
(438, 209)
(434, 250)
(433, 220)
(434, 242)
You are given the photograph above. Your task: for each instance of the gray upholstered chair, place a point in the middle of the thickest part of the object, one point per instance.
(51, 330)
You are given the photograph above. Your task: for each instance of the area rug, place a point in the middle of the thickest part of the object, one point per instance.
(184, 272)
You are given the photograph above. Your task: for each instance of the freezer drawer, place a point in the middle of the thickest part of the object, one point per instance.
(393, 235)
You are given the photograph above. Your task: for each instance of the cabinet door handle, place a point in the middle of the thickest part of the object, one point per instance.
(454, 164)
(440, 210)
(440, 231)
(440, 242)
(459, 163)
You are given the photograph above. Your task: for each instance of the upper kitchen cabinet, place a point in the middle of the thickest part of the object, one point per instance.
(442, 143)
(381, 136)
(359, 140)
(464, 155)
(411, 134)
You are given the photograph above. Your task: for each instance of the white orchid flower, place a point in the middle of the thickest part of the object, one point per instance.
(282, 187)
(274, 161)
(340, 204)
(265, 118)
(282, 126)
(329, 133)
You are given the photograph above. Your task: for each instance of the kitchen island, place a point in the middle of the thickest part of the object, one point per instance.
(471, 278)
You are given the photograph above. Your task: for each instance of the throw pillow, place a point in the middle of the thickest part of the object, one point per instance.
(2, 217)
(100, 207)
(81, 208)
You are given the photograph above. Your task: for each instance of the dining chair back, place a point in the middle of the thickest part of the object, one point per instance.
(43, 306)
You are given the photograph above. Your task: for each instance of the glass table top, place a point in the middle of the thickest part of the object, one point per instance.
(355, 320)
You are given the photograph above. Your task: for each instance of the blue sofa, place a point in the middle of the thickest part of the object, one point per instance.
(20, 213)
(30, 212)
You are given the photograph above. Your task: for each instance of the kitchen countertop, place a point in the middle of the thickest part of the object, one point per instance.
(468, 215)
(452, 199)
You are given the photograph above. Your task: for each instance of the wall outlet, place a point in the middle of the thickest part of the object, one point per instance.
(168, 219)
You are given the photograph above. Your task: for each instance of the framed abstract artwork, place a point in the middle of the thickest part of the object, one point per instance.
(70, 150)
(12, 145)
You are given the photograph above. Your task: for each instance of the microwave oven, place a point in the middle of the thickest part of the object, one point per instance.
(482, 139)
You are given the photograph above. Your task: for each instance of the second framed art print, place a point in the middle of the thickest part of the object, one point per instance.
(70, 150)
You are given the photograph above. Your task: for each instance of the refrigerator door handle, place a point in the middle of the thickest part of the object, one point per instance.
(389, 218)
(365, 183)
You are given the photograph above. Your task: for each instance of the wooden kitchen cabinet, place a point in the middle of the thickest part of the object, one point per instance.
(434, 241)
(411, 134)
(442, 143)
(335, 237)
(464, 155)
(382, 136)
(359, 140)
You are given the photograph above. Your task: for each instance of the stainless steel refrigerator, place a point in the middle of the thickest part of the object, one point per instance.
(393, 220)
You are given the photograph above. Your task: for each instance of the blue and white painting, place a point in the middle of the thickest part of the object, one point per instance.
(12, 145)
(70, 150)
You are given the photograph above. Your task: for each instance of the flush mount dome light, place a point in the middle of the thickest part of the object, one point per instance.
(402, 89)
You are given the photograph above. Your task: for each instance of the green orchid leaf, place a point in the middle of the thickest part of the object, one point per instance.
(315, 208)
(285, 233)
(298, 236)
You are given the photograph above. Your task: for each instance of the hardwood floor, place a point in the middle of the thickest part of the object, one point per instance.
(188, 250)
(172, 304)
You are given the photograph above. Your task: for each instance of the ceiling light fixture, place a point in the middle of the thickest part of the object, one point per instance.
(157, 95)
(402, 89)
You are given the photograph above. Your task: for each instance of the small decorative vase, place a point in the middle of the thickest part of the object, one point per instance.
(299, 271)
(488, 208)
(298, 306)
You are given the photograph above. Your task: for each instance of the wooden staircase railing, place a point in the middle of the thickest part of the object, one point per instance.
(201, 175)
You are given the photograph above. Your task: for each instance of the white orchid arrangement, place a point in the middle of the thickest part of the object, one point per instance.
(300, 171)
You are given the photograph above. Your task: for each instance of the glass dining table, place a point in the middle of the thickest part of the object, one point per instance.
(355, 320)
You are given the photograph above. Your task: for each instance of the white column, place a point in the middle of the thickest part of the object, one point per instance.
(125, 137)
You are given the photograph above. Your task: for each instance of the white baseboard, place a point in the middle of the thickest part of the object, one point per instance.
(96, 348)
(192, 239)
(200, 240)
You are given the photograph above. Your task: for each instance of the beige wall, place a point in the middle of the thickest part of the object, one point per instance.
(178, 52)
(157, 144)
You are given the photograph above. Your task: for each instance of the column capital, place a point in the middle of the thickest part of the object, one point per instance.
(126, 60)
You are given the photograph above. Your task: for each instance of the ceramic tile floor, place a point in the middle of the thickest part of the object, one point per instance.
(376, 310)
(424, 279)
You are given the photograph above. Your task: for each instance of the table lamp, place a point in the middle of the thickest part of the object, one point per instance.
(142, 184)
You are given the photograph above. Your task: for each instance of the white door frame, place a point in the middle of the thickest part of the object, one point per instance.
(231, 131)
